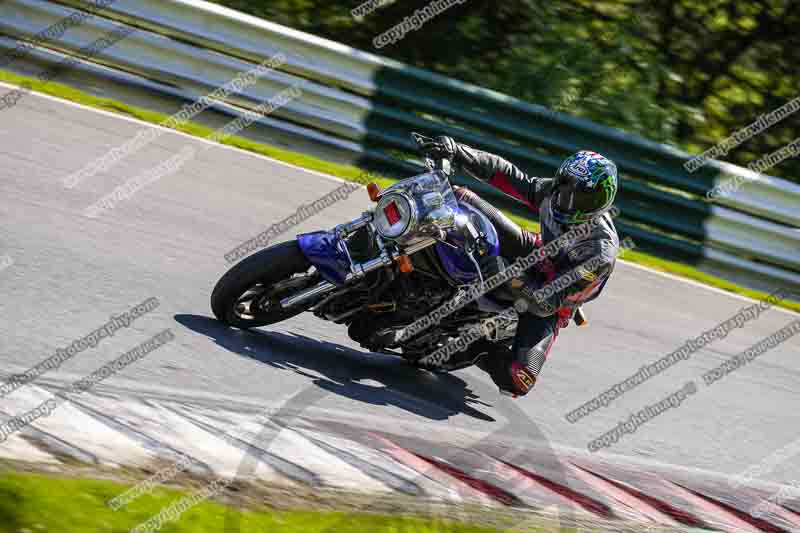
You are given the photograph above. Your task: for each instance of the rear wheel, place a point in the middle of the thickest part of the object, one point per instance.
(249, 294)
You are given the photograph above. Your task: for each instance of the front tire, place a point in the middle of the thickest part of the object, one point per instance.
(249, 294)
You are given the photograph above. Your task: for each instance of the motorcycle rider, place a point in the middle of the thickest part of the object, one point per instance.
(583, 188)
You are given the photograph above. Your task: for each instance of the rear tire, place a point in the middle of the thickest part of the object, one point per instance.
(258, 275)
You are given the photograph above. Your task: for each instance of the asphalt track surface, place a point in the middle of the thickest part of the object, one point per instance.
(70, 272)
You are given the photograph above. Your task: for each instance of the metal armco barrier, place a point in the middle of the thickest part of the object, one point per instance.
(365, 104)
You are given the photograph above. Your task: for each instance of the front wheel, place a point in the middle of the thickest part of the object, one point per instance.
(249, 294)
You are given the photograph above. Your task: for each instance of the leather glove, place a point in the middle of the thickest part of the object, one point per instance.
(442, 147)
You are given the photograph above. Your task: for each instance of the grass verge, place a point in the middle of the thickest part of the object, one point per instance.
(352, 173)
(40, 503)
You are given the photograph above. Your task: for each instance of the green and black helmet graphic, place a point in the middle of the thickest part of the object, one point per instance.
(586, 185)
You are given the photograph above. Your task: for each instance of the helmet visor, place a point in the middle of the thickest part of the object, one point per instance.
(571, 200)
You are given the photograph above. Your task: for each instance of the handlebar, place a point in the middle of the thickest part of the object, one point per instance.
(442, 165)
(419, 138)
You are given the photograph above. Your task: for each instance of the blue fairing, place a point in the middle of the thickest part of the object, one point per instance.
(454, 260)
(322, 250)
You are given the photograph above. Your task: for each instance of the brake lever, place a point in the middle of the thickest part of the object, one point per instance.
(419, 138)
(442, 165)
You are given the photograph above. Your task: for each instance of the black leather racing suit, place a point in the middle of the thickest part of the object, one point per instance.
(539, 325)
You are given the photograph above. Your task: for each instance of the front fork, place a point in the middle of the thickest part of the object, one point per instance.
(388, 255)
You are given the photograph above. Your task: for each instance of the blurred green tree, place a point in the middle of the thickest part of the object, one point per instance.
(685, 72)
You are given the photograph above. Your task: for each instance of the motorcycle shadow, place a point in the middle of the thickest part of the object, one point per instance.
(390, 381)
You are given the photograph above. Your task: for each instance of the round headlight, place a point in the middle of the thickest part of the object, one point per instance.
(393, 215)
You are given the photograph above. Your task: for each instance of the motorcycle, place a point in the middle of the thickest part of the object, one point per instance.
(418, 248)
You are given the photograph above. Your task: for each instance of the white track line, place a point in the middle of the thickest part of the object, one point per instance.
(704, 286)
